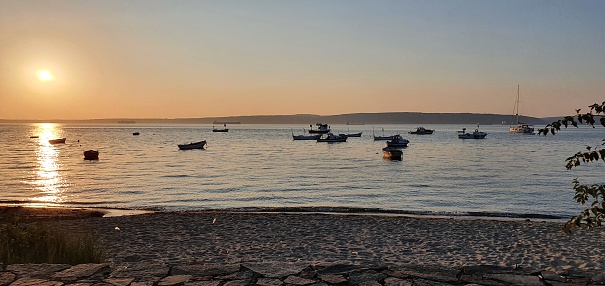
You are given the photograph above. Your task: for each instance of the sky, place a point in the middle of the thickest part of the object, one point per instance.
(187, 59)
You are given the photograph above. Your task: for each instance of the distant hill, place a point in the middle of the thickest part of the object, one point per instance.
(352, 118)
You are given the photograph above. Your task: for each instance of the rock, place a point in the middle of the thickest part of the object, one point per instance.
(295, 280)
(37, 270)
(202, 283)
(236, 283)
(205, 269)
(552, 276)
(598, 279)
(146, 283)
(119, 281)
(81, 271)
(337, 269)
(369, 283)
(35, 282)
(174, 280)
(269, 282)
(333, 279)
(392, 281)
(365, 276)
(7, 278)
(276, 270)
(516, 279)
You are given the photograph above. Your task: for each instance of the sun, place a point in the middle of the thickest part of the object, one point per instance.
(45, 75)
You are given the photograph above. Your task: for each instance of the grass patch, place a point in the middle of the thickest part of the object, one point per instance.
(42, 243)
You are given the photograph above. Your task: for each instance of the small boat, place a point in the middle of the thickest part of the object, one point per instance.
(351, 134)
(521, 128)
(332, 138)
(305, 137)
(421, 131)
(91, 155)
(475, 135)
(194, 145)
(135, 133)
(322, 128)
(57, 141)
(398, 141)
(224, 129)
(34, 136)
(382, 138)
(392, 153)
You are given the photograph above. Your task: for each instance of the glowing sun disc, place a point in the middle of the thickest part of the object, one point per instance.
(45, 75)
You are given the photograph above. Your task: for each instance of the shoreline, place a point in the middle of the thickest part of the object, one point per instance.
(225, 237)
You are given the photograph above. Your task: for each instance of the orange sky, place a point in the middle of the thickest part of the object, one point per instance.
(175, 59)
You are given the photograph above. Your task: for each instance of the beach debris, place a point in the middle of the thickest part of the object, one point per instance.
(354, 252)
(117, 228)
(214, 220)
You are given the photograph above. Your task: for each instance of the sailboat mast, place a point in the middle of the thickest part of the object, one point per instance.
(517, 105)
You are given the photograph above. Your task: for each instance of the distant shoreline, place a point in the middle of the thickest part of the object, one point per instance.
(357, 118)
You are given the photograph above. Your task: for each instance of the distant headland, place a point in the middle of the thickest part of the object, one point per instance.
(357, 118)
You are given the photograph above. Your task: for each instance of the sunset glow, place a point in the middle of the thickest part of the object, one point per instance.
(45, 75)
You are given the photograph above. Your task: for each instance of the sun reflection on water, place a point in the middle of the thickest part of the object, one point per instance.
(49, 181)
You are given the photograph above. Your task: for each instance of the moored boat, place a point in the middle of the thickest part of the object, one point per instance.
(398, 141)
(351, 134)
(421, 131)
(57, 141)
(383, 137)
(392, 153)
(224, 129)
(332, 138)
(521, 128)
(91, 155)
(305, 137)
(322, 128)
(194, 145)
(475, 135)
(135, 133)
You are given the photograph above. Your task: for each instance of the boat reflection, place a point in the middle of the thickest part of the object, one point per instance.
(48, 179)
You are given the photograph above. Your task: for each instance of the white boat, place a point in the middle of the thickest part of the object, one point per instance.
(224, 129)
(322, 128)
(351, 134)
(521, 128)
(332, 138)
(398, 141)
(194, 145)
(475, 135)
(305, 137)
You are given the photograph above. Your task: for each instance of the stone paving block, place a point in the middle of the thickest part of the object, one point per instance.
(369, 283)
(365, 276)
(36, 270)
(140, 271)
(119, 281)
(295, 280)
(80, 271)
(392, 281)
(333, 278)
(205, 269)
(7, 278)
(276, 270)
(142, 283)
(203, 283)
(174, 280)
(35, 282)
(516, 279)
(237, 283)
(269, 282)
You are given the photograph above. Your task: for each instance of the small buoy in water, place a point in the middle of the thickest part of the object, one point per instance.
(91, 155)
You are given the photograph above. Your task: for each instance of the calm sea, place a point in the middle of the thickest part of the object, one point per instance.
(261, 166)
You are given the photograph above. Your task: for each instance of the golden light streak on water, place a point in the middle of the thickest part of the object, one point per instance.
(49, 179)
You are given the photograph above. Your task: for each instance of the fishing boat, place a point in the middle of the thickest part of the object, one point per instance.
(57, 141)
(91, 155)
(322, 128)
(421, 131)
(475, 135)
(351, 134)
(194, 145)
(382, 138)
(332, 138)
(305, 137)
(392, 153)
(224, 129)
(521, 128)
(398, 141)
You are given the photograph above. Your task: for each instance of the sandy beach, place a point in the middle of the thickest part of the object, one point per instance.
(235, 237)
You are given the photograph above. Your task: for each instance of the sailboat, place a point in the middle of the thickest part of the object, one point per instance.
(521, 128)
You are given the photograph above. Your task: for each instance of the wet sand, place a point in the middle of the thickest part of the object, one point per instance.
(233, 237)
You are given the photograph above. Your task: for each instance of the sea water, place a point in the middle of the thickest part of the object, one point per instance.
(258, 166)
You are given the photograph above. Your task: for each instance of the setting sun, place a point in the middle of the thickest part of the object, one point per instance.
(45, 75)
